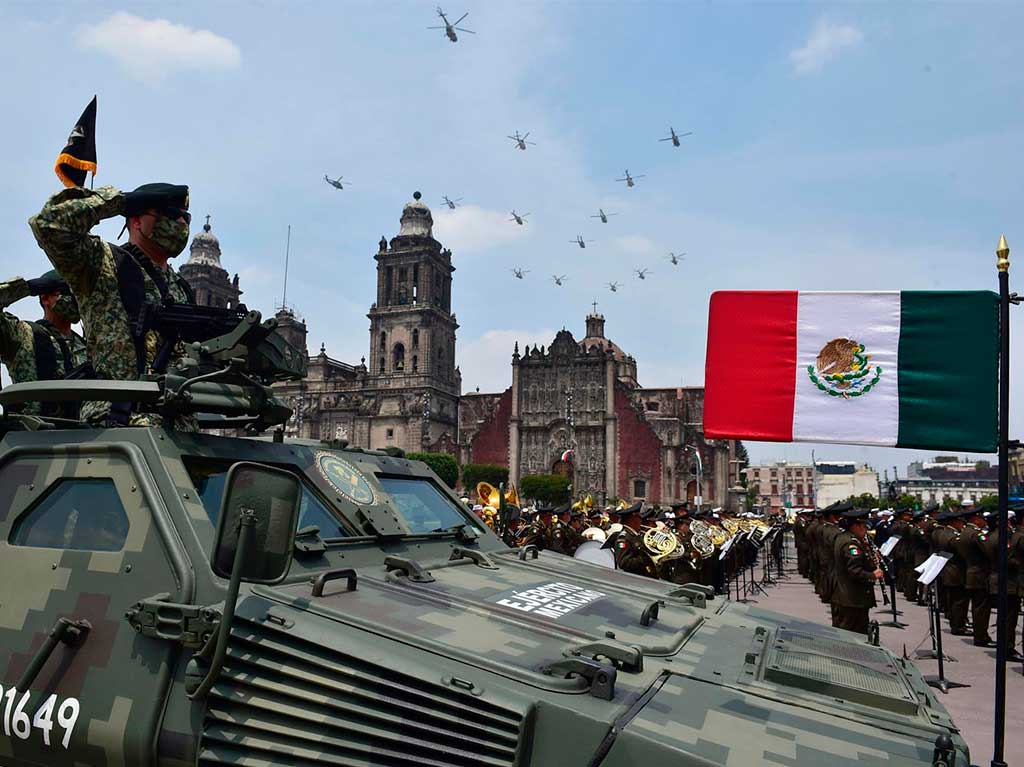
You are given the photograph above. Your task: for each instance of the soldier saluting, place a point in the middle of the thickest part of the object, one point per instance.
(117, 285)
(855, 571)
(44, 349)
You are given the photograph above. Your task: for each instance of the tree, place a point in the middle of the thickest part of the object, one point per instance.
(982, 464)
(906, 501)
(864, 501)
(545, 488)
(751, 497)
(988, 503)
(442, 464)
(473, 473)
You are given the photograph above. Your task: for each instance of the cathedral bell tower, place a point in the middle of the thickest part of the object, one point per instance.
(412, 334)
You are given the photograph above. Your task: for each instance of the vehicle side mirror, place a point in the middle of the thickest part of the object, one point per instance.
(266, 500)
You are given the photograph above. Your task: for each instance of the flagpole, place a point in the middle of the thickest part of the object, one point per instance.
(999, 726)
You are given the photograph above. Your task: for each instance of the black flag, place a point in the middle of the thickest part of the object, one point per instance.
(79, 157)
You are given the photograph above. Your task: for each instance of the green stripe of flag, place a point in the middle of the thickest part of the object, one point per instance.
(948, 370)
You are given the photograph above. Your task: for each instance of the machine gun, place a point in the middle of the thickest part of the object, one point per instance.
(227, 375)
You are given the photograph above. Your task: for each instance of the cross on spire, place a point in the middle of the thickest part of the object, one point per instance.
(207, 227)
(595, 306)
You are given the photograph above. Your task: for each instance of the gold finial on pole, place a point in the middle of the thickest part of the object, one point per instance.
(1003, 252)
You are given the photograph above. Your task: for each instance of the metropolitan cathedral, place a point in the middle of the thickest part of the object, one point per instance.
(575, 398)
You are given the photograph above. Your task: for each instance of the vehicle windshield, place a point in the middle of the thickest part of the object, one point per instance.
(209, 477)
(424, 508)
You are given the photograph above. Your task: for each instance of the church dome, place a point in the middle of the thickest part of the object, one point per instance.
(416, 218)
(596, 339)
(205, 248)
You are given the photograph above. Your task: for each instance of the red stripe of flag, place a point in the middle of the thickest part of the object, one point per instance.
(750, 369)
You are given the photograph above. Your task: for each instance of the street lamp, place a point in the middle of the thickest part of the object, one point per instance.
(700, 473)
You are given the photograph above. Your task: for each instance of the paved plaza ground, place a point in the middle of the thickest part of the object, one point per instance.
(971, 707)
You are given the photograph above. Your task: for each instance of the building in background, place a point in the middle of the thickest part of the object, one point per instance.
(782, 485)
(203, 271)
(788, 484)
(627, 442)
(949, 477)
(838, 480)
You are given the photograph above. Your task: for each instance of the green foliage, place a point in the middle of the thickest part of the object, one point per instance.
(751, 497)
(545, 488)
(988, 503)
(906, 501)
(472, 473)
(982, 464)
(443, 465)
(864, 501)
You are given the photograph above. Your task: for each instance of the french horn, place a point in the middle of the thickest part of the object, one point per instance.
(700, 538)
(660, 543)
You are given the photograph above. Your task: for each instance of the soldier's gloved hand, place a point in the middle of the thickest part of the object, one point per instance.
(46, 284)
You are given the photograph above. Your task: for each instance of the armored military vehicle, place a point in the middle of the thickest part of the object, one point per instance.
(175, 598)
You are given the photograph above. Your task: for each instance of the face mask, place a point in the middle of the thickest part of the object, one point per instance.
(66, 307)
(170, 236)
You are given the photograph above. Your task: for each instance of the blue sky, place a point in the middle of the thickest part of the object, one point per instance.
(835, 146)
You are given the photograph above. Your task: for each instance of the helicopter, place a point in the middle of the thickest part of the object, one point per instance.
(336, 182)
(580, 241)
(518, 217)
(449, 28)
(603, 216)
(674, 259)
(613, 286)
(451, 203)
(558, 280)
(629, 179)
(674, 137)
(521, 141)
(642, 273)
(520, 272)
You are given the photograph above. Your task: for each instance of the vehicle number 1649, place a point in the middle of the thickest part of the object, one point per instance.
(17, 724)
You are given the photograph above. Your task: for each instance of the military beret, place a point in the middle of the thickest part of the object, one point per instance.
(155, 196)
(50, 282)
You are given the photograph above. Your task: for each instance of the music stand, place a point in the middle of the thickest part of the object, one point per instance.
(884, 551)
(929, 572)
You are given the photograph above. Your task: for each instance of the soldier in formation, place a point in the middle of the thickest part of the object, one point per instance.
(856, 570)
(43, 349)
(1014, 578)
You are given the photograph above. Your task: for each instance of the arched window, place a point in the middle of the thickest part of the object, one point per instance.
(416, 338)
(383, 341)
(415, 363)
(398, 358)
(382, 364)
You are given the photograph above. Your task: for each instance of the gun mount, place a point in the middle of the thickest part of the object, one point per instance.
(228, 359)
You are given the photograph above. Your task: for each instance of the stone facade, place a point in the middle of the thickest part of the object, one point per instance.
(203, 271)
(408, 396)
(627, 441)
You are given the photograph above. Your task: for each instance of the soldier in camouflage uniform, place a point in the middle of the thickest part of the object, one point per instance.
(45, 349)
(115, 284)
(855, 574)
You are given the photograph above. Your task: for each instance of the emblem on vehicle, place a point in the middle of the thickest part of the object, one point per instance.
(344, 478)
(842, 369)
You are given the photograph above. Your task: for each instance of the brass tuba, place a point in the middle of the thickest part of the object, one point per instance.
(489, 495)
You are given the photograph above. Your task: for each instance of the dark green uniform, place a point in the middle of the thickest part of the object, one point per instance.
(854, 593)
(535, 534)
(919, 549)
(953, 578)
(564, 539)
(630, 554)
(971, 547)
(1014, 579)
(828, 534)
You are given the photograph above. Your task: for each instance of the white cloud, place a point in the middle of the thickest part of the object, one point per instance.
(469, 228)
(635, 245)
(487, 361)
(826, 42)
(150, 49)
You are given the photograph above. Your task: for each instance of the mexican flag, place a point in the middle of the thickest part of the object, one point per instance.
(905, 369)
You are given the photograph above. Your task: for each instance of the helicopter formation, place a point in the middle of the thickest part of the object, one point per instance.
(521, 142)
